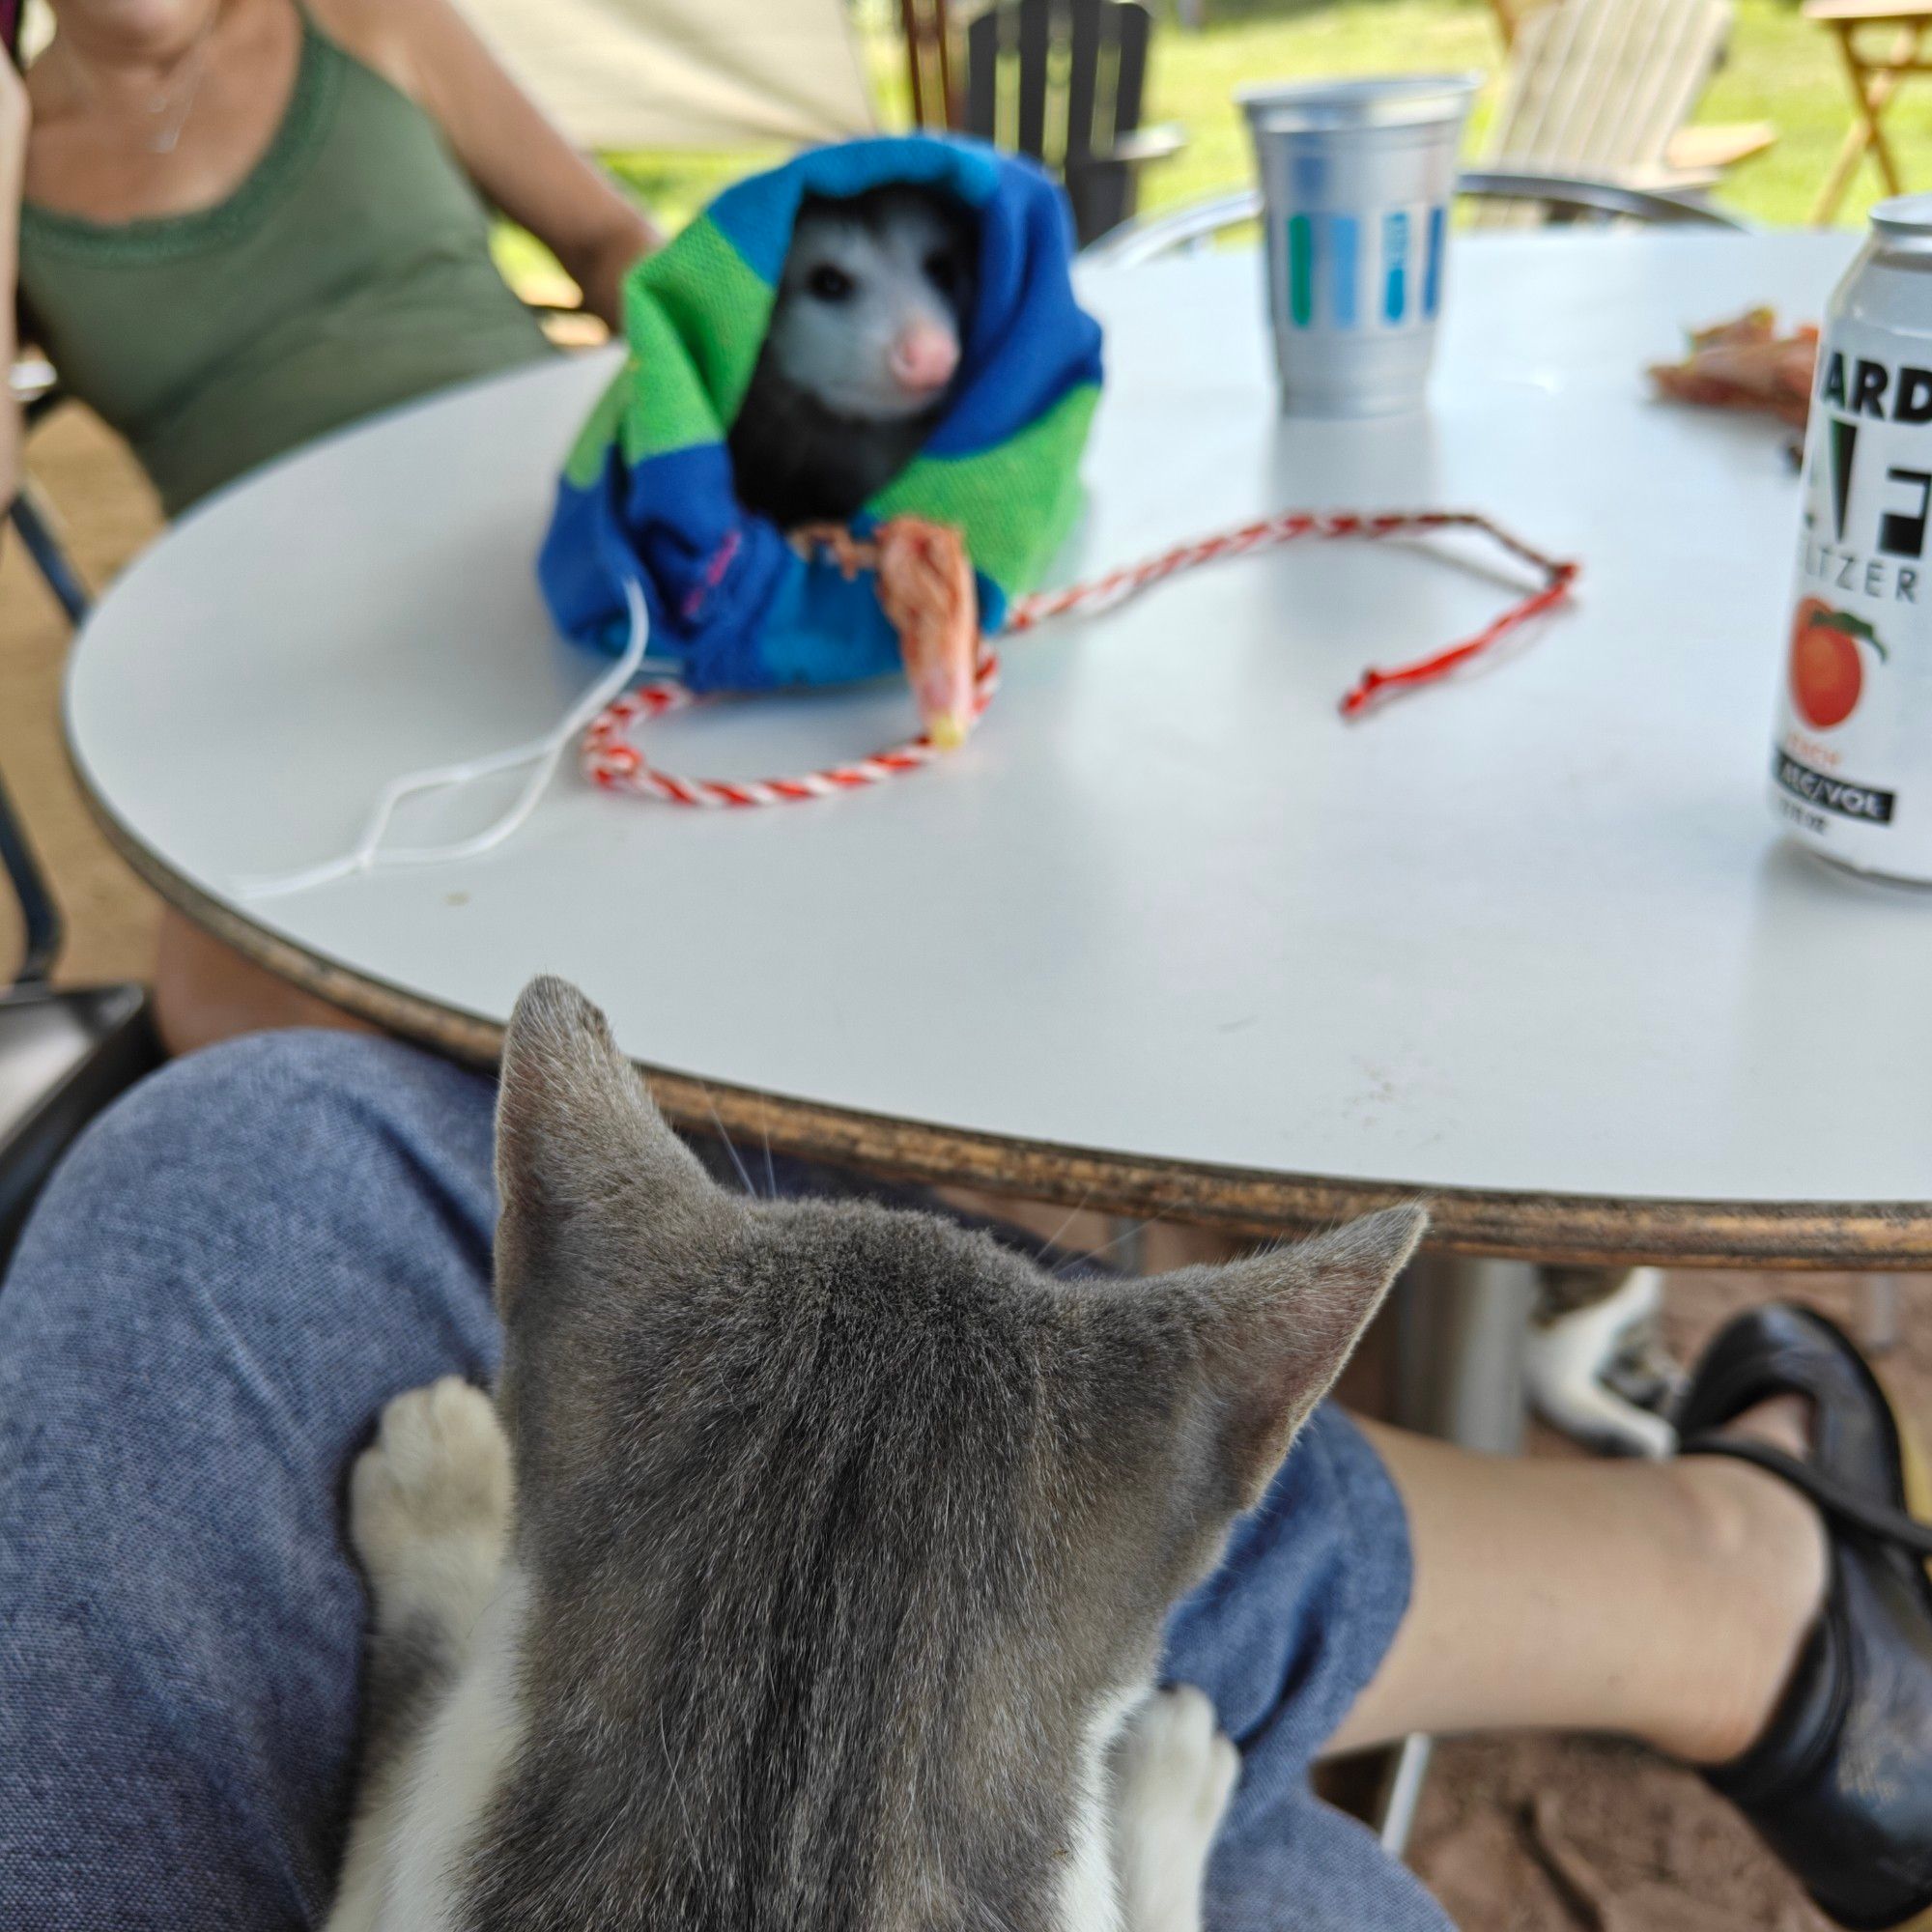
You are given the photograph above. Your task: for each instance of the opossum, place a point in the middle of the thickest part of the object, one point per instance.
(862, 356)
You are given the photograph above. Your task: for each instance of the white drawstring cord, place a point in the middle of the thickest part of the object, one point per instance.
(541, 753)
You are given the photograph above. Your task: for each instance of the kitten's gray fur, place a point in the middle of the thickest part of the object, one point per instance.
(842, 1529)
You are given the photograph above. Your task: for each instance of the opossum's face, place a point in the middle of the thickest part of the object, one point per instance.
(874, 303)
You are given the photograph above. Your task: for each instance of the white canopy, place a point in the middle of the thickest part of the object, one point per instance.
(683, 73)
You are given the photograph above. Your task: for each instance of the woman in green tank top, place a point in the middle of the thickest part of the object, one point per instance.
(245, 222)
(237, 224)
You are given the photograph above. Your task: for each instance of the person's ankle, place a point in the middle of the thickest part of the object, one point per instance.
(1771, 1560)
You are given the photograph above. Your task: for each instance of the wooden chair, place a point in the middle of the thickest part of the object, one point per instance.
(1876, 71)
(1604, 88)
(1063, 80)
(930, 67)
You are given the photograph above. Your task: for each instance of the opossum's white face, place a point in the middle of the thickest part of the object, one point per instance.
(872, 304)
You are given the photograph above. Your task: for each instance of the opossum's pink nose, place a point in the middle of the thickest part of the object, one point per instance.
(925, 357)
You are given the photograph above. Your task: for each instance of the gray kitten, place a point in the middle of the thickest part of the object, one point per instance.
(831, 1591)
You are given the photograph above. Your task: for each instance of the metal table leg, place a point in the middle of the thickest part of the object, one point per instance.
(1879, 1319)
(1459, 1329)
(1458, 1340)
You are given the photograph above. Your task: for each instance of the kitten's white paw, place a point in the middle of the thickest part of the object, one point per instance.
(429, 1503)
(1174, 1775)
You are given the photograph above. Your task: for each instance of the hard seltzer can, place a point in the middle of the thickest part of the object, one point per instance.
(1852, 769)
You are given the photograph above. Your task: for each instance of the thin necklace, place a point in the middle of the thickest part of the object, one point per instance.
(176, 97)
(168, 132)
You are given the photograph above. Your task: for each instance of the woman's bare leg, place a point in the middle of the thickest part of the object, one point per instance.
(1666, 1601)
(206, 991)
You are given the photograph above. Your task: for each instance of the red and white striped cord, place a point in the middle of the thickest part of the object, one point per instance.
(612, 761)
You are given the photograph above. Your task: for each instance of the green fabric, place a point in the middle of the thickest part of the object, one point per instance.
(1017, 497)
(696, 318)
(350, 271)
(715, 308)
(648, 500)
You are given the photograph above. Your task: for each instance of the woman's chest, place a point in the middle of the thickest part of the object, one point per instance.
(354, 226)
(180, 139)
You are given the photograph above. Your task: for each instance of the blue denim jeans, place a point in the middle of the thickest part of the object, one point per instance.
(232, 1272)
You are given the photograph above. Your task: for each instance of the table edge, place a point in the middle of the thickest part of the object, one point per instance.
(1571, 1229)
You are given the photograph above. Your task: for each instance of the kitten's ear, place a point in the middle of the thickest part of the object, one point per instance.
(575, 1127)
(1281, 1324)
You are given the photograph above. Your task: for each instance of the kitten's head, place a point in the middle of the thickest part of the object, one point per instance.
(849, 1532)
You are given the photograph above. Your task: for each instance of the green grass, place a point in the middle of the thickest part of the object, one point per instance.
(1780, 68)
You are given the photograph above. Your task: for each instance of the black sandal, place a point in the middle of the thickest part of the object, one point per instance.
(1840, 1784)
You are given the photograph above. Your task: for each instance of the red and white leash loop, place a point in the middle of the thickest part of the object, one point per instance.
(611, 760)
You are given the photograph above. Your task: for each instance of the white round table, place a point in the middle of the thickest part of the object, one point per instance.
(1168, 935)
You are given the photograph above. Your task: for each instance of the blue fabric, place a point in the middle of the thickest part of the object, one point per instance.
(732, 606)
(233, 1271)
(757, 215)
(1283, 1637)
(1029, 340)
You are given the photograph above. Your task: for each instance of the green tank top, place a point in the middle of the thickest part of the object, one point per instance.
(350, 270)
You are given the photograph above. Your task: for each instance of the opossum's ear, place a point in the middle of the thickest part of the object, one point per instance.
(577, 1136)
(1278, 1327)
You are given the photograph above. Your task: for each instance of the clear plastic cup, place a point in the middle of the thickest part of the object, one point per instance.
(1356, 181)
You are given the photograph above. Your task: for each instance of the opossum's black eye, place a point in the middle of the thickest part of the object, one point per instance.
(942, 270)
(829, 284)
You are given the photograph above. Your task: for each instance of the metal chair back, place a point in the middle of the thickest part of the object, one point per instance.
(35, 392)
(1565, 197)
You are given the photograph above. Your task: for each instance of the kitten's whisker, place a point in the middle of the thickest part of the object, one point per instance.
(676, 1783)
(719, 1119)
(765, 1128)
(1093, 1255)
(1072, 1215)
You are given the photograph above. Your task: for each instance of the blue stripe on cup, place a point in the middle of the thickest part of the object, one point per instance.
(1394, 265)
(1325, 263)
(1432, 278)
(1343, 235)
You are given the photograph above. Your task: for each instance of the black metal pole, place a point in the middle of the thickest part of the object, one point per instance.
(30, 519)
(39, 914)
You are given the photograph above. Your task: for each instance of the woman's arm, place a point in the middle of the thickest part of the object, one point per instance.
(514, 155)
(12, 168)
